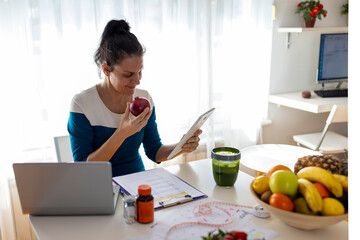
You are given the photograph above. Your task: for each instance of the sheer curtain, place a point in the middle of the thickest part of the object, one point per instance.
(241, 48)
(199, 54)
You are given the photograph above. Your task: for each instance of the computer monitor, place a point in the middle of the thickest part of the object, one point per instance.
(333, 59)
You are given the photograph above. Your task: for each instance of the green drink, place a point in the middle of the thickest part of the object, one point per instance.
(225, 164)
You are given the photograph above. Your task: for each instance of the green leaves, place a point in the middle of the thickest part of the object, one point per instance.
(345, 8)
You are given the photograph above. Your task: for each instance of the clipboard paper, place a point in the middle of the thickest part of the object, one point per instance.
(166, 188)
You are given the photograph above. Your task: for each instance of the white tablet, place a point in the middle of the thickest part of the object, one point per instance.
(196, 126)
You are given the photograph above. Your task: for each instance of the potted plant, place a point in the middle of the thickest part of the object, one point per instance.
(345, 8)
(311, 10)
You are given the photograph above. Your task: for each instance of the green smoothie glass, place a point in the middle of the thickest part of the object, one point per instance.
(225, 164)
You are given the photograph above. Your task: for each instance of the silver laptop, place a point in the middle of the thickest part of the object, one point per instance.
(80, 188)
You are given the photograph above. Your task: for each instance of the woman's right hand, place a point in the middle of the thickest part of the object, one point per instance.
(129, 127)
(126, 128)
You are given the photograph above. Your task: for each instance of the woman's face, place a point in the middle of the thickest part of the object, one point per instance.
(127, 75)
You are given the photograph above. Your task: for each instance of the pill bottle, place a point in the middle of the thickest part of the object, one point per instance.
(129, 209)
(144, 204)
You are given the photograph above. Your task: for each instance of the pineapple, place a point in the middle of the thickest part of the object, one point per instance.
(328, 162)
(344, 167)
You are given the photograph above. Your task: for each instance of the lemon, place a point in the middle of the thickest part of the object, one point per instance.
(332, 207)
(261, 184)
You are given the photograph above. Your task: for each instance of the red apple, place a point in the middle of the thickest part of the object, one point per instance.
(138, 105)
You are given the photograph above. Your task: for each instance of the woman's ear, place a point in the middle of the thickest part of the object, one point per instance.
(106, 69)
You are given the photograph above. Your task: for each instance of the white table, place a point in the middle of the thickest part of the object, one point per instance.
(315, 104)
(198, 174)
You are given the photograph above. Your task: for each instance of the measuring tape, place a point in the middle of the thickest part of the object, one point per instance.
(205, 209)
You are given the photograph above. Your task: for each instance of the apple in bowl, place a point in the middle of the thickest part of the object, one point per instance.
(285, 182)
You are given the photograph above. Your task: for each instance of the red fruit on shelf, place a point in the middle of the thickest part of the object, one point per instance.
(306, 94)
(138, 105)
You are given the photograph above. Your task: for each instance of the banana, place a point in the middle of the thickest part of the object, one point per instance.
(343, 180)
(302, 207)
(311, 194)
(318, 174)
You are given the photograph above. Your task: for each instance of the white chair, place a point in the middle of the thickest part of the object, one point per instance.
(63, 149)
(327, 142)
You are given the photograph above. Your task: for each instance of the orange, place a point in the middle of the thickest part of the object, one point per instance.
(275, 168)
(281, 201)
(324, 192)
(259, 173)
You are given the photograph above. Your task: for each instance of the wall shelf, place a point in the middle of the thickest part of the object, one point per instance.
(313, 29)
(298, 30)
(315, 104)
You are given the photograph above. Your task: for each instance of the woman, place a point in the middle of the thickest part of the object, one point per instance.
(101, 126)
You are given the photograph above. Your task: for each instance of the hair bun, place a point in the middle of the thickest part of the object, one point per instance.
(116, 27)
(123, 26)
(117, 43)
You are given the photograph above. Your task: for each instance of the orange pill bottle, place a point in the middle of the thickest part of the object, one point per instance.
(144, 204)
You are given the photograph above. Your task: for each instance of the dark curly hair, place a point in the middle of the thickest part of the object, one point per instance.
(117, 43)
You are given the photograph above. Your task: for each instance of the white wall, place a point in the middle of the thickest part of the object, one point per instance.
(294, 69)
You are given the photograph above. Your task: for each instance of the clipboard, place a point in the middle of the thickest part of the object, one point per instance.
(196, 126)
(167, 189)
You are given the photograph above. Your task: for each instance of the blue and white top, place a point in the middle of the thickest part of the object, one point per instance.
(91, 124)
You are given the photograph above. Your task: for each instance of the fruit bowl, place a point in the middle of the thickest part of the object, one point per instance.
(298, 220)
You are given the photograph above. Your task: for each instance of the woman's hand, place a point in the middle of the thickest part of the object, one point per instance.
(192, 143)
(188, 147)
(128, 127)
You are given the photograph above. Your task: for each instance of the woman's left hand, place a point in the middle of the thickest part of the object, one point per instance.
(192, 143)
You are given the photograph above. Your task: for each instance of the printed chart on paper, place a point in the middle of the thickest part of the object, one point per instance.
(164, 185)
(196, 219)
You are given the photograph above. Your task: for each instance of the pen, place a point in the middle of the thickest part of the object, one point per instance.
(153, 225)
(186, 199)
(122, 192)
